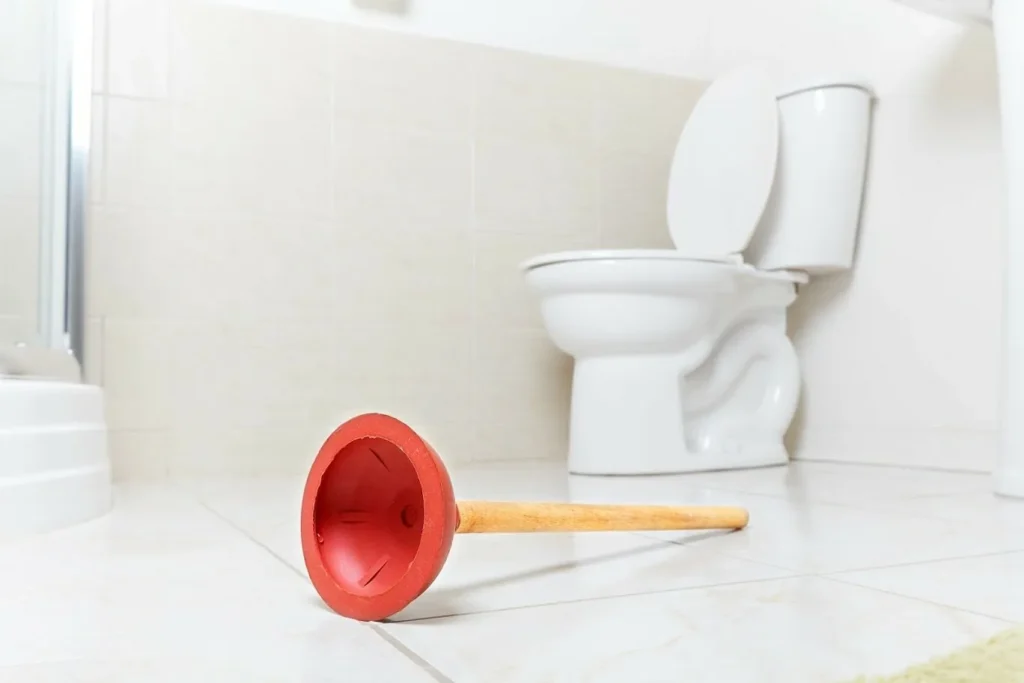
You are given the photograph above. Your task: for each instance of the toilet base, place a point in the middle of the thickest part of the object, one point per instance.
(627, 418)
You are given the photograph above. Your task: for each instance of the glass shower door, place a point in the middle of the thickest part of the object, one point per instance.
(45, 84)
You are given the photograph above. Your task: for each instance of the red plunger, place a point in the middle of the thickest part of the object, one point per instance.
(379, 516)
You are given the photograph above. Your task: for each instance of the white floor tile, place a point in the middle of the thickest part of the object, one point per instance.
(981, 509)
(205, 582)
(805, 536)
(265, 509)
(485, 573)
(992, 585)
(315, 666)
(489, 572)
(841, 483)
(803, 629)
(164, 580)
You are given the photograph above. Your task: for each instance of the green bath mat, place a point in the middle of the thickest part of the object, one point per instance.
(999, 659)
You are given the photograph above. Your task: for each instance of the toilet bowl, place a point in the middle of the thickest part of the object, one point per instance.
(682, 359)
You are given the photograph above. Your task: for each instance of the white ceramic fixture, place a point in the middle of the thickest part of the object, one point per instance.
(55, 471)
(1007, 20)
(682, 361)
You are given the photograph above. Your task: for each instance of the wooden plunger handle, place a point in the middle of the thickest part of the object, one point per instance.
(477, 517)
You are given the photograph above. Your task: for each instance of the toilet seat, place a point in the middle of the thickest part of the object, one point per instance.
(617, 254)
(590, 255)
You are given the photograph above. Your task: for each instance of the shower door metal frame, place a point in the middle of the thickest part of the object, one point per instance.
(58, 353)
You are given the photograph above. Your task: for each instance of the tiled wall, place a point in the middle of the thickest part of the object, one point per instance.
(901, 358)
(294, 221)
(21, 97)
(271, 193)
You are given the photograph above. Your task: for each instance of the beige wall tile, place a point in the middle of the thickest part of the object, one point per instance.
(138, 153)
(427, 368)
(138, 47)
(230, 375)
(98, 150)
(253, 451)
(397, 179)
(521, 395)
(99, 46)
(203, 265)
(500, 292)
(419, 373)
(532, 97)
(403, 276)
(313, 225)
(138, 265)
(536, 187)
(19, 259)
(229, 157)
(20, 130)
(252, 120)
(256, 62)
(634, 196)
(93, 370)
(22, 31)
(643, 112)
(141, 454)
(401, 80)
(141, 373)
(268, 371)
(256, 266)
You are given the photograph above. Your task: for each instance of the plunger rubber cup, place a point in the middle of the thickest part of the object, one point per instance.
(378, 518)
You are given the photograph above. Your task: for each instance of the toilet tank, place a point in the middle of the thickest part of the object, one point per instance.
(811, 220)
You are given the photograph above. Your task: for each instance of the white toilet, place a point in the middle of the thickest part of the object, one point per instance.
(682, 361)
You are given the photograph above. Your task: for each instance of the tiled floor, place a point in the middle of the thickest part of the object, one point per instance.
(843, 570)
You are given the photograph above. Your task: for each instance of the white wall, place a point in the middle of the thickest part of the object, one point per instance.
(879, 40)
(901, 360)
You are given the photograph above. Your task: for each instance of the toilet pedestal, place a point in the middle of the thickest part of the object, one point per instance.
(627, 417)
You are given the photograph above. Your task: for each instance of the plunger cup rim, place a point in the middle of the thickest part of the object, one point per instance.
(440, 517)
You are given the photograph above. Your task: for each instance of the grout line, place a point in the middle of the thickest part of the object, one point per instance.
(249, 536)
(773, 565)
(605, 598)
(396, 643)
(954, 494)
(892, 466)
(941, 560)
(391, 640)
(98, 198)
(474, 244)
(798, 572)
(104, 56)
(684, 542)
(867, 505)
(918, 599)
(333, 56)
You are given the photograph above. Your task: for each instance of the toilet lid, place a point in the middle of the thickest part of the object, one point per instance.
(724, 165)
